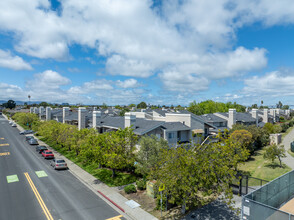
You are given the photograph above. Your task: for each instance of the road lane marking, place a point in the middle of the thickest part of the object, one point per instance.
(5, 154)
(1, 138)
(115, 218)
(41, 173)
(39, 198)
(12, 178)
(4, 145)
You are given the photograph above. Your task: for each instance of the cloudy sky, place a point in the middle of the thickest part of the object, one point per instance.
(160, 51)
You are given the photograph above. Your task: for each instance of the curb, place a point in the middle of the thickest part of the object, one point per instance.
(111, 201)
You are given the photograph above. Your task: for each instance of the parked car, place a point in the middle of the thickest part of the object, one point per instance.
(11, 122)
(33, 141)
(26, 132)
(13, 125)
(29, 138)
(47, 154)
(58, 164)
(41, 148)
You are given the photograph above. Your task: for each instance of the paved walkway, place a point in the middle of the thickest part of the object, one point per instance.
(95, 185)
(288, 160)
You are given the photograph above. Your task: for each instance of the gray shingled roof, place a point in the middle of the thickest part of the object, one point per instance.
(142, 126)
(175, 126)
(240, 116)
(212, 118)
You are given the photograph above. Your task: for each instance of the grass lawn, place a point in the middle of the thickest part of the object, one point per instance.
(102, 174)
(258, 167)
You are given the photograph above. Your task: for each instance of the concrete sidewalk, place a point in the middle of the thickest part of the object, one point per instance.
(95, 185)
(288, 160)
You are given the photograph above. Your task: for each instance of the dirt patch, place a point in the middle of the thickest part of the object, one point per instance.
(149, 205)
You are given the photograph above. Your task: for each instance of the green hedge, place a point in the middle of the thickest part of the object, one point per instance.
(130, 189)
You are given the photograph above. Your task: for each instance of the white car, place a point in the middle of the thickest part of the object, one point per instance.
(11, 122)
(13, 125)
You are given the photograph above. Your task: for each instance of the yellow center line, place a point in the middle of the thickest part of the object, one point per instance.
(1, 138)
(4, 145)
(115, 218)
(5, 154)
(39, 198)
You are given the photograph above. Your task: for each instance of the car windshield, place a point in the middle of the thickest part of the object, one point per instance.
(60, 161)
(49, 152)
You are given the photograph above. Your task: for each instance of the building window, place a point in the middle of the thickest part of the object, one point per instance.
(170, 135)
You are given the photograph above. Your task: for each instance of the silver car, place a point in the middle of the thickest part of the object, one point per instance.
(33, 141)
(57, 164)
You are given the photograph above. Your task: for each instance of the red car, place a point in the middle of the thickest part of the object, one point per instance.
(47, 154)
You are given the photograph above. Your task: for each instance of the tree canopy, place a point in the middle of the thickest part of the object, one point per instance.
(210, 106)
(142, 105)
(148, 155)
(9, 104)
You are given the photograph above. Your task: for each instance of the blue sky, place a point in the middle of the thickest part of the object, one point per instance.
(161, 52)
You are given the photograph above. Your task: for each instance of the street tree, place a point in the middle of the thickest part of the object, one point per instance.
(192, 176)
(244, 138)
(148, 154)
(119, 149)
(273, 152)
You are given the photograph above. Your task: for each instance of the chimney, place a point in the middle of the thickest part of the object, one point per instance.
(273, 113)
(265, 115)
(48, 113)
(36, 110)
(82, 118)
(65, 113)
(232, 117)
(129, 119)
(255, 115)
(41, 111)
(96, 118)
(277, 111)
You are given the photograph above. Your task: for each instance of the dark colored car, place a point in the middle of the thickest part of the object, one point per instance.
(58, 164)
(47, 154)
(29, 138)
(41, 148)
(26, 132)
(33, 141)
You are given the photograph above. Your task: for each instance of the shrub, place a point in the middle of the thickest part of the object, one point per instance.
(284, 126)
(141, 184)
(130, 189)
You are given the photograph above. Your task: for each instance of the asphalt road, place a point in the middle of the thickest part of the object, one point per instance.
(50, 194)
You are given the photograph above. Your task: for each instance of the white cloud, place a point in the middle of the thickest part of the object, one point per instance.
(13, 62)
(48, 80)
(11, 92)
(187, 42)
(91, 87)
(128, 83)
(273, 84)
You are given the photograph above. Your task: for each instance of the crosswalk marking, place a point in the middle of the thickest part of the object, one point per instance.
(115, 218)
(12, 178)
(41, 173)
(1, 145)
(5, 154)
